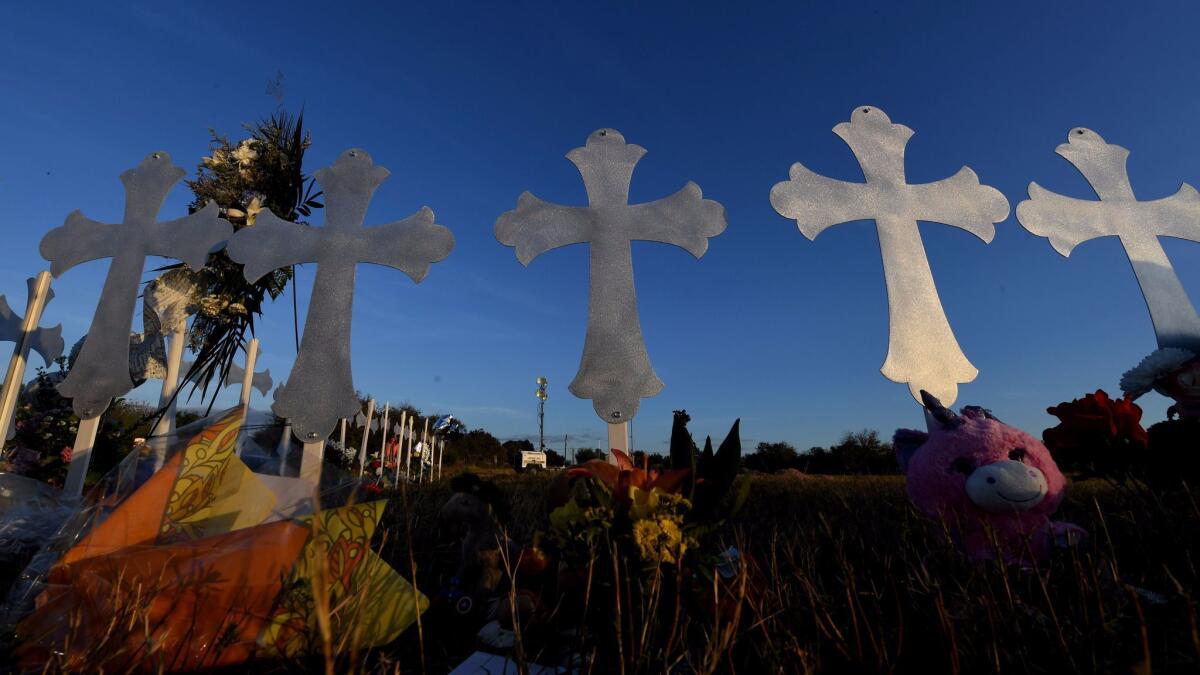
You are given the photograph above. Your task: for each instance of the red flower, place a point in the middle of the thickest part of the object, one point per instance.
(1095, 421)
(66, 454)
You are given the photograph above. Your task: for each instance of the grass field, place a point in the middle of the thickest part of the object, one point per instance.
(848, 577)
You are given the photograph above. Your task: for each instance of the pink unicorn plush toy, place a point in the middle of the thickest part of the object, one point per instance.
(995, 486)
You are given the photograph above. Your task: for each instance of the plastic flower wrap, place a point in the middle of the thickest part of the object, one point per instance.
(204, 563)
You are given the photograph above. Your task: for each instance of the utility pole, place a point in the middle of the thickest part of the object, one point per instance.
(541, 395)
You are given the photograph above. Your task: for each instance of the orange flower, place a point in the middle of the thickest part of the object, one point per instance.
(622, 477)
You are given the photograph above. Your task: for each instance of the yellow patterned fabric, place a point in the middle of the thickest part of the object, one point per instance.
(372, 604)
(215, 492)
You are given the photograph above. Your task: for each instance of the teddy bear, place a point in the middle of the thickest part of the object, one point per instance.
(994, 485)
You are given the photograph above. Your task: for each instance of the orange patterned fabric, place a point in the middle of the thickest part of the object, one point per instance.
(184, 606)
(186, 573)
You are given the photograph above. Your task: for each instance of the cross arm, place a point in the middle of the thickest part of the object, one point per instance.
(1065, 221)
(260, 381)
(272, 243)
(537, 226)
(410, 245)
(685, 219)
(78, 240)
(961, 201)
(190, 238)
(1179, 214)
(10, 323)
(45, 341)
(817, 203)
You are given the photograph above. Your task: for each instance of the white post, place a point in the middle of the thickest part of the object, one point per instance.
(441, 454)
(400, 444)
(81, 456)
(618, 438)
(408, 457)
(383, 442)
(425, 450)
(166, 423)
(362, 451)
(310, 461)
(342, 434)
(285, 444)
(248, 376)
(247, 386)
(20, 356)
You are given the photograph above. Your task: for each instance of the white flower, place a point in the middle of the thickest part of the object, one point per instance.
(1141, 379)
(218, 158)
(253, 209)
(245, 153)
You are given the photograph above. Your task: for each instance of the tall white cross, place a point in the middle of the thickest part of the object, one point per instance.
(922, 350)
(101, 371)
(1067, 222)
(615, 371)
(320, 389)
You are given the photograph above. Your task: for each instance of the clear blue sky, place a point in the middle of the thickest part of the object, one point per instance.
(469, 106)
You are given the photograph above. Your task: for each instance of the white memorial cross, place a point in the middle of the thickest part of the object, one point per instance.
(615, 371)
(1067, 222)
(25, 333)
(922, 350)
(246, 378)
(367, 424)
(398, 434)
(383, 439)
(101, 371)
(408, 434)
(320, 389)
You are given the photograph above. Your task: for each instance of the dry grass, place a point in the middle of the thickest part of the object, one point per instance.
(845, 577)
(848, 577)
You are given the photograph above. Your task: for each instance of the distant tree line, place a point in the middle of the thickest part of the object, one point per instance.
(859, 452)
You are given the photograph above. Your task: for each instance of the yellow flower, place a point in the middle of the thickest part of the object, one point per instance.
(660, 540)
(647, 503)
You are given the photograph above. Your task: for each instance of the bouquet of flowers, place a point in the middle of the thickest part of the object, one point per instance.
(1099, 436)
(655, 517)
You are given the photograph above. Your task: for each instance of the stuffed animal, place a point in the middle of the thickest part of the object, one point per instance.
(478, 510)
(994, 485)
